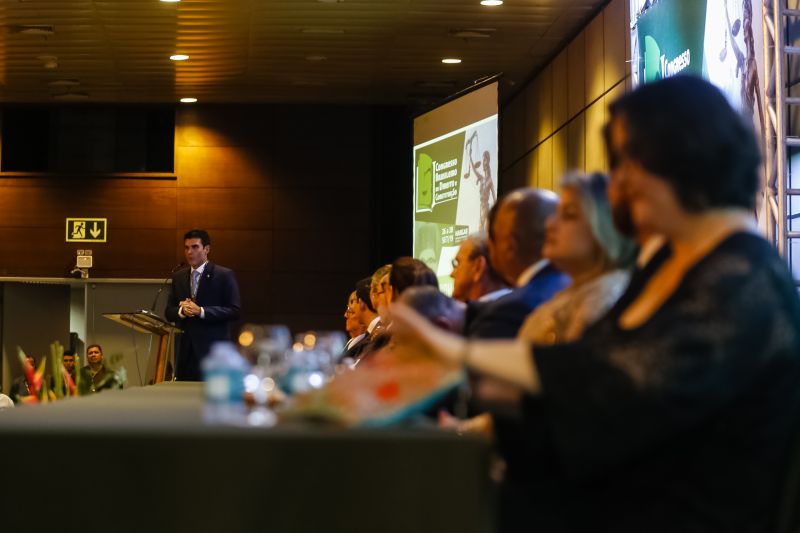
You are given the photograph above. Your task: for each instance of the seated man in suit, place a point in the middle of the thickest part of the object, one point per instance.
(474, 278)
(203, 302)
(516, 237)
(366, 315)
(355, 329)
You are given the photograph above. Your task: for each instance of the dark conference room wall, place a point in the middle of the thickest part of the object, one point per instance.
(300, 200)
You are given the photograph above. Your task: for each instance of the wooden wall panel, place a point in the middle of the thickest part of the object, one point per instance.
(227, 208)
(531, 166)
(544, 98)
(576, 75)
(595, 64)
(30, 206)
(576, 144)
(560, 90)
(560, 165)
(615, 48)
(514, 127)
(595, 148)
(533, 110)
(545, 174)
(219, 166)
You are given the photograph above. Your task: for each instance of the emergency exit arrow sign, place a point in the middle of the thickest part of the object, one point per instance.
(87, 229)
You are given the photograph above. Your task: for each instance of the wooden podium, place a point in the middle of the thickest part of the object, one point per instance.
(145, 321)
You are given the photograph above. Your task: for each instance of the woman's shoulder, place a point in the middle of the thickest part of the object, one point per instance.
(738, 258)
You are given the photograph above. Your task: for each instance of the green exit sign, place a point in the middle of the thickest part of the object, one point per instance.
(87, 229)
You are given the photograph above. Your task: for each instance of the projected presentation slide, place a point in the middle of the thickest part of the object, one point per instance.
(455, 185)
(720, 40)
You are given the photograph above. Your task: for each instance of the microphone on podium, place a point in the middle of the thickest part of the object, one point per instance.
(164, 285)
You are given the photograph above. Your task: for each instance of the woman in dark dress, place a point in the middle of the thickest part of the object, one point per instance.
(676, 411)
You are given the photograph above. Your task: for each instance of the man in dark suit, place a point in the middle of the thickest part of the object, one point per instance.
(355, 329)
(203, 301)
(516, 236)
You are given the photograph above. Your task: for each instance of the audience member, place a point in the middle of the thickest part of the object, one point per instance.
(676, 411)
(582, 242)
(409, 272)
(69, 363)
(354, 327)
(473, 275)
(365, 314)
(5, 402)
(403, 273)
(377, 294)
(96, 376)
(20, 386)
(516, 237)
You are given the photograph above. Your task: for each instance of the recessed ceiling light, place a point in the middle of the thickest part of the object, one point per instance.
(472, 33)
(322, 30)
(49, 62)
(64, 83)
(451, 61)
(188, 100)
(491, 3)
(44, 30)
(71, 96)
(309, 83)
(179, 57)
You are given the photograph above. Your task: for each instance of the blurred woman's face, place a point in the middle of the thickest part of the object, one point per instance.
(569, 243)
(652, 203)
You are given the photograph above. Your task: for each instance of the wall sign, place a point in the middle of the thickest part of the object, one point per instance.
(87, 229)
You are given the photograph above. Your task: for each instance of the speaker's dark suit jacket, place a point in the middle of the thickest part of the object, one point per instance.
(503, 317)
(218, 295)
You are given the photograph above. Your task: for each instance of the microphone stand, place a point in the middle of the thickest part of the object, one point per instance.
(152, 309)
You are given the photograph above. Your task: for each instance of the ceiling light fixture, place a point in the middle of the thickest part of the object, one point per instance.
(491, 3)
(48, 62)
(451, 61)
(188, 100)
(44, 30)
(179, 57)
(322, 30)
(472, 33)
(64, 83)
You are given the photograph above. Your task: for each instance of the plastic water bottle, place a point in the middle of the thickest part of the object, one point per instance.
(224, 371)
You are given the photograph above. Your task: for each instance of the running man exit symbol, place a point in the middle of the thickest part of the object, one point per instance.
(86, 229)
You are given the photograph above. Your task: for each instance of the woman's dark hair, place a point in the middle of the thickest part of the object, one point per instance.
(682, 129)
(409, 272)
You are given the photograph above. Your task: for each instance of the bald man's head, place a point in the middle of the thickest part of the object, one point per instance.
(517, 230)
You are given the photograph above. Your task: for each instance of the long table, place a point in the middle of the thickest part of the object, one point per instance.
(142, 459)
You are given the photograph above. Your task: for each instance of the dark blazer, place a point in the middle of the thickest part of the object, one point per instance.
(218, 295)
(355, 350)
(503, 317)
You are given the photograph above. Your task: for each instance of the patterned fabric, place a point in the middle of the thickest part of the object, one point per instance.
(564, 317)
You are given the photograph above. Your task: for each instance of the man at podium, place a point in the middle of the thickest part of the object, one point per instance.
(203, 301)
